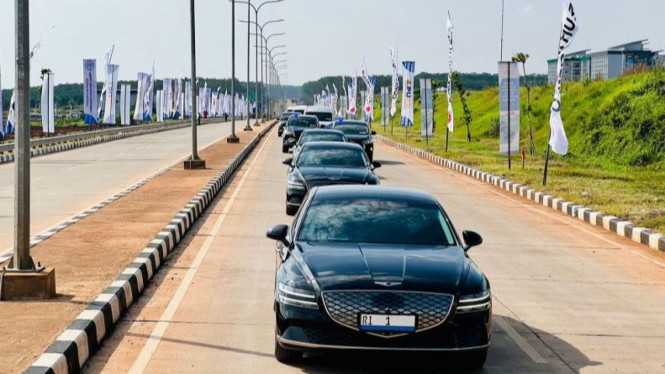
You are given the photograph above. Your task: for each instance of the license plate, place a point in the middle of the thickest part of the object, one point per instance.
(387, 322)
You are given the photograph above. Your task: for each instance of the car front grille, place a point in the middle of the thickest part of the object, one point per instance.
(344, 306)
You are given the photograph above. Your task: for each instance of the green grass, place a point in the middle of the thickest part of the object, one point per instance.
(616, 131)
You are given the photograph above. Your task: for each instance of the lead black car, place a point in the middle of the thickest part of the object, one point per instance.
(378, 268)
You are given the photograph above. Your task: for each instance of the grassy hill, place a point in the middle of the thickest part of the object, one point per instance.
(616, 131)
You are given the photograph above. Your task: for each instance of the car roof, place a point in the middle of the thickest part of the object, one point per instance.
(322, 131)
(319, 108)
(303, 116)
(359, 192)
(331, 145)
(351, 122)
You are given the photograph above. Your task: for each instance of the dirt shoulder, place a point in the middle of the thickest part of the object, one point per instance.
(90, 254)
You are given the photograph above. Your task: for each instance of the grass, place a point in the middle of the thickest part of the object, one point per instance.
(615, 129)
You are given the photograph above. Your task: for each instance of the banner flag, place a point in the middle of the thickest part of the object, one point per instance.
(558, 139)
(111, 93)
(167, 97)
(426, 109)
(188, 98)
(11, 116)
(369, 100)
(107, 61)
(125, 96)
(182, 103)
(395, 82)
(407, 93)
(509, 106)
(353, 92)
(385, 107)
(178, 103)
(159, 103)
(449, 86)
(90, 102)
(140, 93)
(47, 104)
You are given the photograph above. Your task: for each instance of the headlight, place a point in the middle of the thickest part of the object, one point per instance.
(296, 296)
(295, 182)
(476, 302)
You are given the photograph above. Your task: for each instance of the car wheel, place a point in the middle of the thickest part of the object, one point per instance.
(285, 355)
(285, 149)
(291, 210)
(475, 359)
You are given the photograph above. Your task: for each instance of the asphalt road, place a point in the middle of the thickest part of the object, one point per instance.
(64, 184)
(568, 297)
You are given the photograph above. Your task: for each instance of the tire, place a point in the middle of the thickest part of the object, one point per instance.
(474, 359)
(291, 210)
(285, 355)
(285, 149)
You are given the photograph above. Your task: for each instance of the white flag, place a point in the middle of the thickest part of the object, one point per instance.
(111, 93)
(449, 87)
(395, 82)
(558, 139)
(47, 105)
(407, 93)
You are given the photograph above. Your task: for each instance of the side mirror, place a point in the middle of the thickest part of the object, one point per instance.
(471, 239)
(288, 161)
(376, 164)
(279, 233)
(373, 132)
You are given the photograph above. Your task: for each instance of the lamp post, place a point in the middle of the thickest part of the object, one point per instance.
(256, 18)
(194, 162)
(272, 74)
(233, 138)
(248, 127)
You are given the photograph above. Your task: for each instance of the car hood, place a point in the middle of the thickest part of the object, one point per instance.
(385, 266)
(335, 174)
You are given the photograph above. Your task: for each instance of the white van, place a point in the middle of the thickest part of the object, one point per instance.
(325, 114)
(298, 109)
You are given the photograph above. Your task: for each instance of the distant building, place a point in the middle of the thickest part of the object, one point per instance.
(607, 64)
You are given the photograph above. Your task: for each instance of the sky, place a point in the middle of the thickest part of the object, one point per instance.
(322, 37)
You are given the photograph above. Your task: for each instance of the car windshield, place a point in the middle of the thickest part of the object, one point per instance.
(332, 157)
(375, 221)
(353, 129)
(285, 116)
(303, 122)
(321, 137)
(322, 116)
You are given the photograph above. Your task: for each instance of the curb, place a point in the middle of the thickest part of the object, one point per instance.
(41, 151)
(84, 336)
(610, 223)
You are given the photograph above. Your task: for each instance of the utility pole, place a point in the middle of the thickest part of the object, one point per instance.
(194, 162)
(249, 4)
(233, 138)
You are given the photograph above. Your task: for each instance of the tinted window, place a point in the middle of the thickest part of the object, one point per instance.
(353, 129)
(348, 157)
(375, 221)
(302, 122)
(321, 137)
(285, 116)
(322, 116)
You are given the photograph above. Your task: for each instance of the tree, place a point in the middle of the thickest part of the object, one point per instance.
(522, 57)
(467, 113)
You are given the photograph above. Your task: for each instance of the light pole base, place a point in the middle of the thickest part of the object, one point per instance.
(195, 164)
(233, 139)
(257, 124)
(27, 285)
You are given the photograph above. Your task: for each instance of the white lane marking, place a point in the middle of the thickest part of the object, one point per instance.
(519, 340)
(160, 329)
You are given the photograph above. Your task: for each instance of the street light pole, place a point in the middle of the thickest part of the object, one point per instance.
(194, 162)
(248, 127)
(233, 138)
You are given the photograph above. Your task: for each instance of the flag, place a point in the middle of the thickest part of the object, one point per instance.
(407, 93)
(395, 82)
(47, 105)
(149, 95)
(90, 102)
(178, 101)
(11, 114)
(353, 92)
(111, 91)
(107, 61)
(449, 87)
(558, 139)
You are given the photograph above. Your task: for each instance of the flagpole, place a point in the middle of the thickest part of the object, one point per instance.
(502, 13)
(547, 161)
(447, 133)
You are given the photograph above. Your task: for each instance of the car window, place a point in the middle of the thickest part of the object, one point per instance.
(285, 116)
(302, 122)
(348, 157)
(322, 137)
(353, 129)
(375, 221)
(322, 116)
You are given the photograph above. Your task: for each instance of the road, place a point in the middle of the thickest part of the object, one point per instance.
(64, 184)
(568, 297)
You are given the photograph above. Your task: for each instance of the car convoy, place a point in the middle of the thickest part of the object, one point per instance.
(365, 267)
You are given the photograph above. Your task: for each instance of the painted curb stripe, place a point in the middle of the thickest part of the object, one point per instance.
(71, 350)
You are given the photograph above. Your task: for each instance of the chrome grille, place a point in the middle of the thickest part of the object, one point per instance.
(344, 306)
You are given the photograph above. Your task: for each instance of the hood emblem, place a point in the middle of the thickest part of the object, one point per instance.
(388, 284)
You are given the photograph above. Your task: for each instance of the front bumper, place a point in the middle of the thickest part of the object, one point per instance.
(307, 330)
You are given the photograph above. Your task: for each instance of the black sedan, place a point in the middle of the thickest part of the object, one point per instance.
(295, 125)
(326, 163)
(378, 268)
(317, 135)
(281, 125)
(358, 132)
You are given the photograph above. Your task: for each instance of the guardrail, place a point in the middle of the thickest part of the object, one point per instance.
(35, 143)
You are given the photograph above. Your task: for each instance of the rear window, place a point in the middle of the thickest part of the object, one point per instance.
(375, 221)
(322, 116)
(322, 137)
(353, 129)
(285, 116)
(302, 122)
(339, 157)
